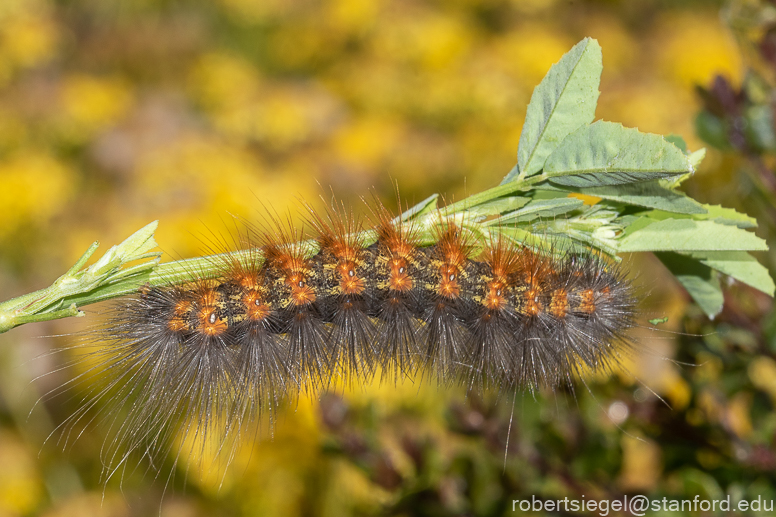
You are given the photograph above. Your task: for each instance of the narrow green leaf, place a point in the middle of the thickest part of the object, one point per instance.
(427, 205)
(557, 245)
(564, 100)
(541, 208)
(549, 187)
(648, 194)
(513, 173)
(700, 281)
(739, 265)
(689, 235)
(728, 216)
(592, 241)
(626, 220)
(136, 245)
(499, 206)
(634, 226)
(83, 260)
(550, 193)
(605, 153)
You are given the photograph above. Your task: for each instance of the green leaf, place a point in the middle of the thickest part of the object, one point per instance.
(61, 298)
(556, 245)
(697, 157)
(547, 191)
(739, 265)
(658, 321)
(605, 153)
(648, 194)
(626, 221)
(759, 130)
(678, 141)
(689, 235)
(427, 205)
(700, 281)
(728, 216)
(498, 206)
(513, 173)
(712, 130)
(542, 208)
(635, 225)
(564, 100)
(136, 247)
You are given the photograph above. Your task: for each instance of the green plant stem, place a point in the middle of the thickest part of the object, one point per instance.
(493, 193)
(67, 295)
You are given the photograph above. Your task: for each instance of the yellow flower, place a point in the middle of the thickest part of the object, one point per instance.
(242, 107)
(20, 485)
(432, 41)
(28, 40)
(366, 141)
(738, 414)
(352, 15)
(223, 80)
(253, 11)
(279, 117)
(695, 47)
(91, 104)
(197, 182)
(14, 130)
(762, 372)
(618, 44)
(28, 37)
(530, 51)
(641, 464)
(99, 503)
(32, 189)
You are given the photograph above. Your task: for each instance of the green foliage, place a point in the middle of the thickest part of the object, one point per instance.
(605, 153)
(629, 171)
(542, 208)
(701, 281)
(107, 278)
(564, 101)
(648, 194)
(689, 235)
(627, 177)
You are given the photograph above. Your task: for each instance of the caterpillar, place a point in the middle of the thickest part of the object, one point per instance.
(198, 361)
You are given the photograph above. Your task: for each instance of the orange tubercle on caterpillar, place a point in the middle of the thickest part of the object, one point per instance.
(399, 279)
(452, 247)
(494, 299)
(256, 309)
(247, 280)
(350, 283)
(559, 303)
(533, 306)
(179, 321)
(398, 238)
(448, 285)
(587, 301)
(209, 322)
(301, 293)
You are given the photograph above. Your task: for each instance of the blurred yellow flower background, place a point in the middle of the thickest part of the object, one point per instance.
(116, 113)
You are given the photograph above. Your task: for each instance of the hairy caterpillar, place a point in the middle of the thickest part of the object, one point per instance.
(198, 361)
